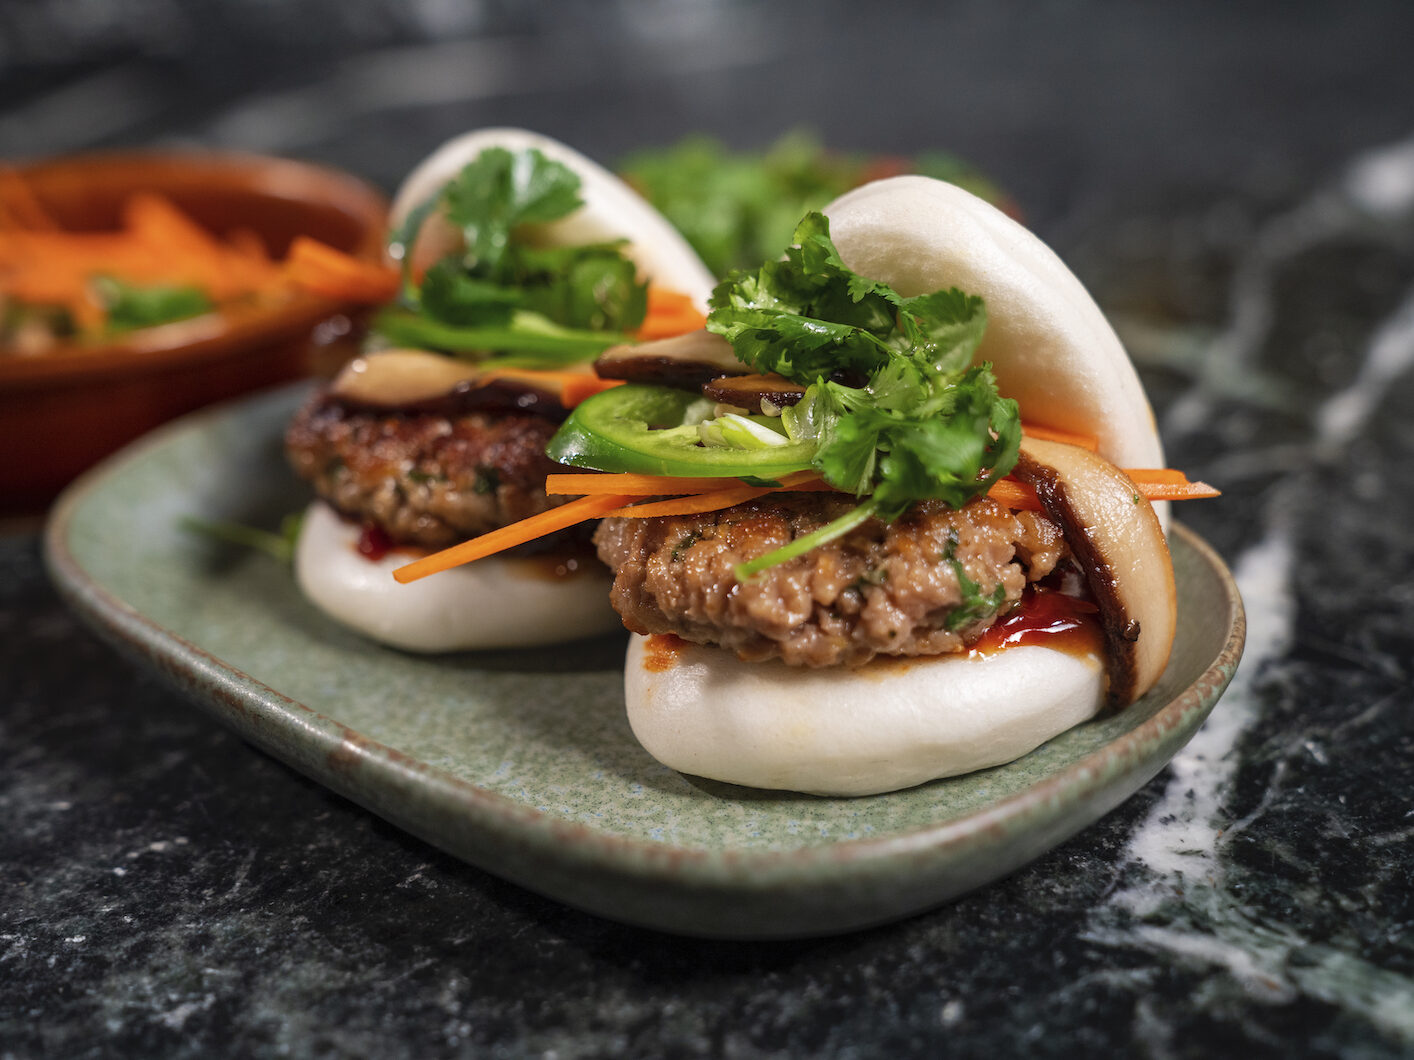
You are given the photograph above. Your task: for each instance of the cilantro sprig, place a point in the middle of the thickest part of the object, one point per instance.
(738, 208)
(132, 306)
(501, 293)
(896, 409)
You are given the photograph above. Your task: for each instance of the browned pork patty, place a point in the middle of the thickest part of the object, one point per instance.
(879, 590)
(424, 479)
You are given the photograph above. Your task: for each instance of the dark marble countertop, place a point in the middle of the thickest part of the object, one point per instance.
(1237, 188)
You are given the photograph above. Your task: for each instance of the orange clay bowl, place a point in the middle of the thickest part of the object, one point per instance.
(64, 409)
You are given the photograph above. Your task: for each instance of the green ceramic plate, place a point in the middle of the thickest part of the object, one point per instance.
(522, 762)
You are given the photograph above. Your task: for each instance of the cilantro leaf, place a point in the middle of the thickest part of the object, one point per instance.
(499, 293)
(589, 286)
(130, 306)
(453, 296)
(976, 605)
(896, 410)
(738, 208)
(499, 190)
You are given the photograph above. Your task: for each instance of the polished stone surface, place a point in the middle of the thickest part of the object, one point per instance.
(1239, 193)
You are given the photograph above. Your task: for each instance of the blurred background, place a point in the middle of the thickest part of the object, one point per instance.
(1148, 142)
(1077, 107)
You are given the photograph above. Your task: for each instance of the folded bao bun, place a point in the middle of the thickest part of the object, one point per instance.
(496, 602)
(1050, 346)
(895, 723)
(611, 210)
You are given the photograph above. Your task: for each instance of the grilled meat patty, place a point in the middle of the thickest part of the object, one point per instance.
(927, 584)
(423, 479)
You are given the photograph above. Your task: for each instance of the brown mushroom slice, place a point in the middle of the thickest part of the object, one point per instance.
(419, 382)
(396, 378)
(1117, 540)
(750, 391)
(686, 362)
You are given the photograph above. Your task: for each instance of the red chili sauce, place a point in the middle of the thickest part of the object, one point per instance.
(374, 542)
(661, 652)
(1048, 618)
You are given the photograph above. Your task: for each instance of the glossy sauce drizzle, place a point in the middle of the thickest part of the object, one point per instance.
(661, 652)
(373, 542)
(1050, 619)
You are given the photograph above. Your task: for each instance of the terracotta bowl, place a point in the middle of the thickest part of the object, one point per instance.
(63, 410)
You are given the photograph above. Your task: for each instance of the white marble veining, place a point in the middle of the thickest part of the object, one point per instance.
(1176, 897)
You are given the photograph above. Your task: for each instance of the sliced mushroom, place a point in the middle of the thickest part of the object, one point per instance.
(419, 382)
(686, 362)
(1118, 542)
(395, 378)
(751, 391)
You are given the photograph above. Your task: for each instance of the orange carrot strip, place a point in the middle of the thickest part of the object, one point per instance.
(1006, 491)
(1012, 494)
(19, 203)
(1186, 491)
(665, 299)
(1055, 434)
(655, 485)
(596, 483)
(1157, 475)
(1020, 497)
(320, 268)
(693, 505)
(586, 386)
(566, 515)
(570, 387)
(669, 313)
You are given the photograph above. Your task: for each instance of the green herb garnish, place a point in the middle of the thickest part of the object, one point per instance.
(913, 421)
(894, 411)
(279, 546)
(501, 294)
(976, 605)
(738, 208)
(130, 306)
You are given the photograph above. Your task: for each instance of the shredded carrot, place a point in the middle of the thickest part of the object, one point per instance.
(669, 313)
(716, 500)
(157, 244)
(692, 505)
(318, 267)
(693, 496)
(573, 391)
(566, 515)
(570, 387)
(1186, 491)
(594, 483)
(597, 482)
(1166, 485)
(1010, 493)
(1157, 475)
(1055, 434)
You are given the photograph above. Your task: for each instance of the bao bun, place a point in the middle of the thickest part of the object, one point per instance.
(494, 603)
(892, 724)
(1050, 346)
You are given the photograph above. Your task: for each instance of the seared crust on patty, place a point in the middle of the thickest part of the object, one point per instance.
(423, 479)
(882, 589)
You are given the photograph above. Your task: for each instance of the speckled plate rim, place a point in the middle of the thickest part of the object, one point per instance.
(815, 889)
